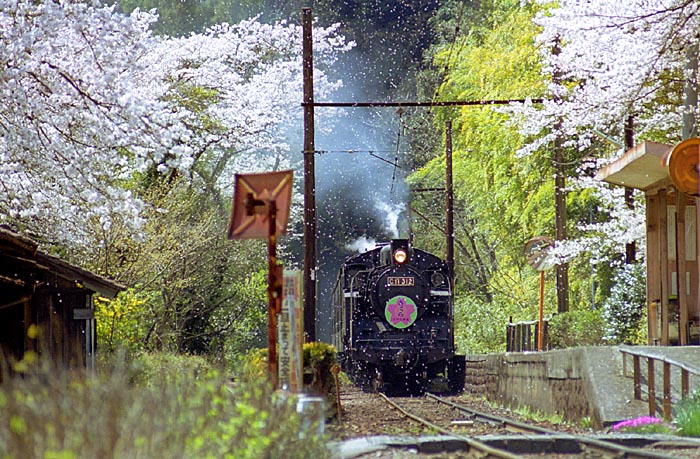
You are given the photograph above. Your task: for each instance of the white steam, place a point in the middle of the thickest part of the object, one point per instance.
(392, 212)
(361, 244)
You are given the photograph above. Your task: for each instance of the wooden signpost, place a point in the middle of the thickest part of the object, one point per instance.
(261, 210)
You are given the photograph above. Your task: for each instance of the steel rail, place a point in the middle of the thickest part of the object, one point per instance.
(489, 451)
(510, 425)
(588, 444)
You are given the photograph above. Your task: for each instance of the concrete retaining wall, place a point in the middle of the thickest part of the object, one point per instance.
(576, 383)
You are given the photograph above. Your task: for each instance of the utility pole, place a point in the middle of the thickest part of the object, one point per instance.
(560, 200)
(309, 181)
(631, 247)
(449, 205)
(449, 216)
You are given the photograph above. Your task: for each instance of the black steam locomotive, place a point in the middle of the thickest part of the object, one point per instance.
(393, 321)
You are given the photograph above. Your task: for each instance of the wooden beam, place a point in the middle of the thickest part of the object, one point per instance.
(15, 302)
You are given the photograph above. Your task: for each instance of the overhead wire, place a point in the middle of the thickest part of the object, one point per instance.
(396, 153)
(372, 153)
(448, 61)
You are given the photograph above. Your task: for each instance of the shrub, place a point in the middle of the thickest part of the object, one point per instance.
(193, 415)
(120, 322)
(479, 326)
(165, 367)
(319, 359)
(578, 327)
(687, 415)
(253, 364)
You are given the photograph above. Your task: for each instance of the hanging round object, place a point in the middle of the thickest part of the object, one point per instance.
(536, 252)
(683, 165)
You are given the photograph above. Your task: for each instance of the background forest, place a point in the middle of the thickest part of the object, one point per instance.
(119, 147)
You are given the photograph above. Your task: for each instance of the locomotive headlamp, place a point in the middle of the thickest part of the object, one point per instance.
(400, 256)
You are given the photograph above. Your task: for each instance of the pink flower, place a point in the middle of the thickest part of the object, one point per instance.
(636, 422)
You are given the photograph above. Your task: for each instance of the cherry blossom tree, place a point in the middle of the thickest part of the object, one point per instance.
(91, 97)
(607, 60)
(615, 59)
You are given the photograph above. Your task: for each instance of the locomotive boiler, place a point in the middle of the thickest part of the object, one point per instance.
(393, 323)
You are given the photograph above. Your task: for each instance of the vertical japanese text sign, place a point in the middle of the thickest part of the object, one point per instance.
(290, 332)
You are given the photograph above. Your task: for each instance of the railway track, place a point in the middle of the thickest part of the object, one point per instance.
(520, 440)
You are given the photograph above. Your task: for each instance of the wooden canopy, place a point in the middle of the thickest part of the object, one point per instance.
(673, 300)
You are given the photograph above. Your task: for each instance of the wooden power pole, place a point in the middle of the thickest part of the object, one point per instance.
(309, 181)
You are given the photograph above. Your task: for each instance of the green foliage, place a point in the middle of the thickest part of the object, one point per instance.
(180, 415)
(475, 335)
(501, 200)
(159, 367)
(529, 414)
(193, 291)
(252, 364)
(503, 197)
(319, 359)
(577, 327)
(120, 322)
(319, 355)
(687, 415)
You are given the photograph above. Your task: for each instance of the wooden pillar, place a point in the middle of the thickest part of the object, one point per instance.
(29, 344)
(663, 259)
(696, 303)
(667, 391)
(653, 267)
(681, 268)
(651, 383)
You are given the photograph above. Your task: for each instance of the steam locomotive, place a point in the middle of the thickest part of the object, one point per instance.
(393, 323)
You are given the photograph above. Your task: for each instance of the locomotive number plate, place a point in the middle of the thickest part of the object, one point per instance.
(401, 281)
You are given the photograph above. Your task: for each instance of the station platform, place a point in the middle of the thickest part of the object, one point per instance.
(587, 382)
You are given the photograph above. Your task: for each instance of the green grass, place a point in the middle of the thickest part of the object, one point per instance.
(538, 416)
(687, 416)
(126, 412)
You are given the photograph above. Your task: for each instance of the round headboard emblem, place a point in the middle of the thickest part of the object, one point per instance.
(401, 311)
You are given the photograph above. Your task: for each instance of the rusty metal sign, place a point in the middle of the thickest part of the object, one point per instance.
(253, 193)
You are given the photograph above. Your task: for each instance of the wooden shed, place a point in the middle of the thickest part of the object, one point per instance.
(52, 297)
(672, 232)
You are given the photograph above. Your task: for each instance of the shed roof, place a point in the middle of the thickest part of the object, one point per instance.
(19, 251)
(640, 167)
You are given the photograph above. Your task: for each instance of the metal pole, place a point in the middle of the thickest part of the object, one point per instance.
(273, 294)
(309, 182)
